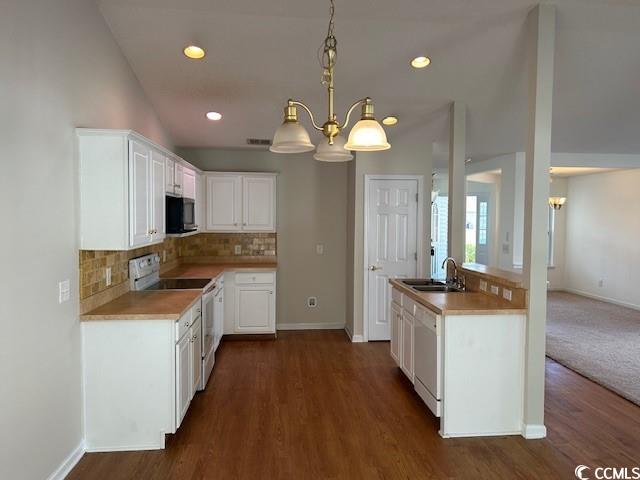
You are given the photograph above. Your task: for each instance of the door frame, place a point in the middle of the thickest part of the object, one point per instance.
(419, 241)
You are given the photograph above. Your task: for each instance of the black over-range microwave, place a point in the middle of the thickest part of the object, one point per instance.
(180, 215)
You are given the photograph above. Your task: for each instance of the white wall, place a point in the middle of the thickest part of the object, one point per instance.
(312, 209)
(410, 154)
(602, 231)
(59, 69)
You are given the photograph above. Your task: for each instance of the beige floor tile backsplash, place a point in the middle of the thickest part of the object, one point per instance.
(93, 263)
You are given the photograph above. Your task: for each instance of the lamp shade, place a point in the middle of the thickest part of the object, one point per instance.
(291, 137)
(332, 153)
(557, 202)
(367, 136)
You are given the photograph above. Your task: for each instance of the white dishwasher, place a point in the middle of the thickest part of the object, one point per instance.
(428, 359)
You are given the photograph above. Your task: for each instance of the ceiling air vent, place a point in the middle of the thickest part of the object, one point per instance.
(263, 142)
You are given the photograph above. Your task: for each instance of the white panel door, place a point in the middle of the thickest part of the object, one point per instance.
(189, 183)
(392, 219)
(139, 194)
(158, 205)
(255, 310)
(170, 176)
(258, 203)
(184, 362)
(224, 200)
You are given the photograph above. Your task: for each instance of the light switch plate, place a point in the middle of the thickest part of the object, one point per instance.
(495, 289)
(506, 294)
(238, 249)
(320, 249)
(64, 291)
(107, 276)
(483, 285)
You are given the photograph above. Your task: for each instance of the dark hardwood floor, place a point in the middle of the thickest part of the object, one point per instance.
(312, 405)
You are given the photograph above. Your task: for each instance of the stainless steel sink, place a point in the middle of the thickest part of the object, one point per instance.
(423, 282)
(436, 288)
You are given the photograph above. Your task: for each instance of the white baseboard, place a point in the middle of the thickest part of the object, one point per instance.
(125, 448)
(310, 326)
(67, 465)
(357, 339)
(602, 298)
(531, 432)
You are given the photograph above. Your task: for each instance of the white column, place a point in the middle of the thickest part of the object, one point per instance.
(541, 38)
(457, 157)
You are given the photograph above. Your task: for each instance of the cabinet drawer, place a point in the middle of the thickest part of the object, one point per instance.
(183, 324)
(396, 296)
(254, 278)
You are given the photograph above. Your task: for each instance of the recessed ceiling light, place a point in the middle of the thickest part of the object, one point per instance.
(390, 120)
(193, 51)
(420, 62)
(215, 116)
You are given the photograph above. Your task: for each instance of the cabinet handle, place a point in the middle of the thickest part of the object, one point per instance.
(186, 324)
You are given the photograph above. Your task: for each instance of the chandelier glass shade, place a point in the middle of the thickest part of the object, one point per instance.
(367, 135)
(557, 202)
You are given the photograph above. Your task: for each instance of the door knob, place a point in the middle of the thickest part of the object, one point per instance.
(373, 268)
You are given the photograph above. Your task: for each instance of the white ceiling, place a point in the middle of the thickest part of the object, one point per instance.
(259, 53)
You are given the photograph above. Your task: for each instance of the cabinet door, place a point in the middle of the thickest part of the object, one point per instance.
(408, 323)
(196, 355)
(396, 332)
(255, 309)
(184, 362)
(157, 196)
(170, 175)
(223, 203)
(189, 184)
(259, 203)
(178, 180)
(139, 194)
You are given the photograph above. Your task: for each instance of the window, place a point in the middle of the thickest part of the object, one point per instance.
(550, 236)
(483, 215)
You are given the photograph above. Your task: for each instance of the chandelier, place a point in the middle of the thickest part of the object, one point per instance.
(367, 135)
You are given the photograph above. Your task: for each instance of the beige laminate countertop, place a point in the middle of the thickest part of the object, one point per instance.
(167, 304)
(459, 303)
(146, 305)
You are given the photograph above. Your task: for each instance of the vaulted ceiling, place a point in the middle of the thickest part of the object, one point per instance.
(259, 53)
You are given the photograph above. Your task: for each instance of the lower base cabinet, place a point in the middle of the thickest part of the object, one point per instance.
(250, 302)
(396, 331)
(139, 379)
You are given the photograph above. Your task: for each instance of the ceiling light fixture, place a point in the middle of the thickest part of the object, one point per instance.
(366, 135)
(215, 116)
(390, 120)
(420, 62)
(193, 51)
(557, 202)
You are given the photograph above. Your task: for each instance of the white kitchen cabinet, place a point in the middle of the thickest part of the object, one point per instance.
(178, 186)
(123, 180)
(249, 302)
(258, 203)
(170, 175)
(184, 375)
(396, 332)
(189, 183)
(240, 202)
(224, 203)
(139, 193)
(196, 355)
(406, 358)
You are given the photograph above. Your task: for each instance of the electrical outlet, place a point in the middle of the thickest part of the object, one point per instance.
(505, 248)
(238, 249)
(600, 283)
(495, 289)
(320, 249)
(64, 291)
(506, 294)
(483, 285)
(312, 302)
(107, 276)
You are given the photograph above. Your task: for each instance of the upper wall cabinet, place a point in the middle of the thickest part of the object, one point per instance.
(189, 183)
(175, 177)
(238, 202)
(123, 178)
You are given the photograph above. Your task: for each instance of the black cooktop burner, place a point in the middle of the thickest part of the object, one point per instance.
(180, 284)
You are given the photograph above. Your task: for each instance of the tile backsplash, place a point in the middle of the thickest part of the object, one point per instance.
(94, 262)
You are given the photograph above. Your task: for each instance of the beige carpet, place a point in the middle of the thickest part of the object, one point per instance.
(596, 339)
